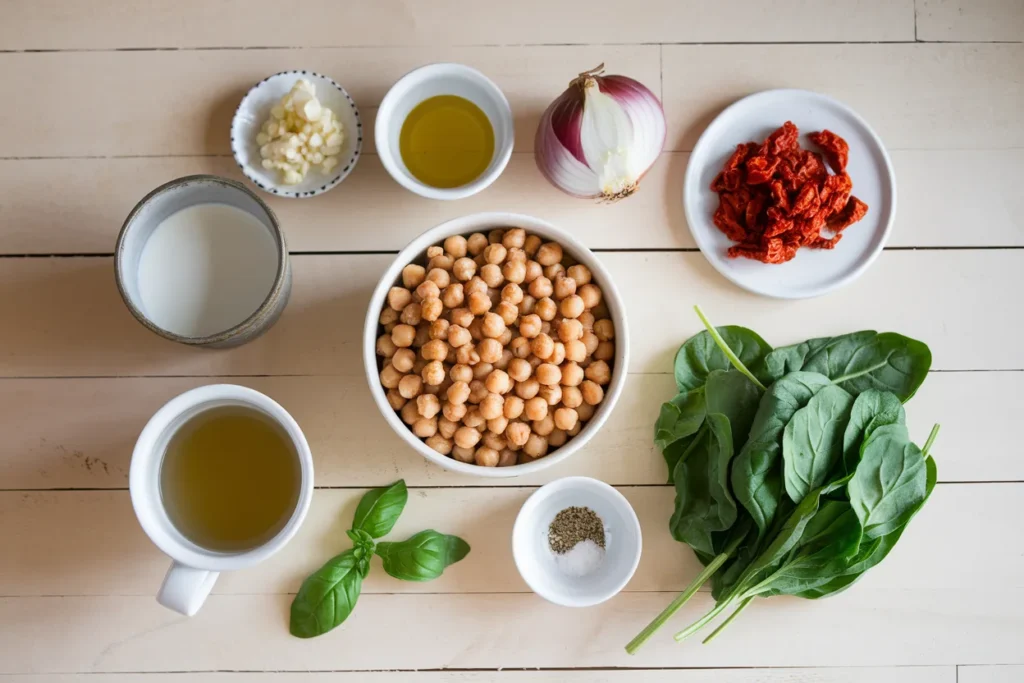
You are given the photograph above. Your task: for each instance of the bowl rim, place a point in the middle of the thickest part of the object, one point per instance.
(277, 189)
(484, 222)
(383, 121)
(576, 482)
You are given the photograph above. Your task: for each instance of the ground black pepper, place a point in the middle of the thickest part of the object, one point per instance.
(574, 525)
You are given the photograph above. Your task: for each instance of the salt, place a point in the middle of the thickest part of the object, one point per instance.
(582, 559)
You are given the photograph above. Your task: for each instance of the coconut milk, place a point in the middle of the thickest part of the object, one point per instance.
(205, 269)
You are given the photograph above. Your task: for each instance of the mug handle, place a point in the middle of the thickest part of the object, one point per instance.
(185, 588)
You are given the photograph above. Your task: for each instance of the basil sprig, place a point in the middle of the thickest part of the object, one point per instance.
(329, 595)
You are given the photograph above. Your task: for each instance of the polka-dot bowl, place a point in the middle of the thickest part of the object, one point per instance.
(254, 110)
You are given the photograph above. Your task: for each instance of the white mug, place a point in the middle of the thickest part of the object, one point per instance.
(194, 569)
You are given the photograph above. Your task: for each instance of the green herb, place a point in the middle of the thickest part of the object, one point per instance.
(794, 470)
(329, 595)
(572, 526)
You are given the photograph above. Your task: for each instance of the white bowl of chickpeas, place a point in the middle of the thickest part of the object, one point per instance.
(496, 345)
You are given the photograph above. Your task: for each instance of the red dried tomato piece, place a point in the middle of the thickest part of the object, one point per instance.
(805, 199)
(726, 220)
(760, 169)
(779, 195)
(782, 140)
(835, 148)
(743, 152)
(779, 227)
(854, 210)
(824, 242)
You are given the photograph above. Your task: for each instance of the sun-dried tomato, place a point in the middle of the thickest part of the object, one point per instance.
(777, 197)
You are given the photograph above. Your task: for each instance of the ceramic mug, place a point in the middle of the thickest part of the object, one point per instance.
(194, 569)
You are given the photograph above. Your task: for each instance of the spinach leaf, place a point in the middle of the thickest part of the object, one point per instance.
(703, 501)
(700, 354)
(679, 418)
(871, 410)
(890, 482)
(422, 557)
(857, 362)
(327, 597)
(812, 442)
(731, 394)
(756, 479)
(379, 509)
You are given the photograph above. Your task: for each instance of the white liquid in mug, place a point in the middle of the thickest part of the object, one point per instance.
(206, 269)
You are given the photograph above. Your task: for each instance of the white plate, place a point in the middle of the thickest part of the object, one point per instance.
(813, 271)
(254, 110)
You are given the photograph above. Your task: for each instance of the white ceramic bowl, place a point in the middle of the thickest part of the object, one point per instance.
(484, 222)
(253, 112)
(536, 563)
(430, 81)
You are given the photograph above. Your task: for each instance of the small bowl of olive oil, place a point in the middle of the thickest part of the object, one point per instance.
(444, 131)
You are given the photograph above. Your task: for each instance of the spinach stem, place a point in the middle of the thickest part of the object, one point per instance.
(704, 620)
(680, 600)
(728, 620)
(729, 353)
(930, 441)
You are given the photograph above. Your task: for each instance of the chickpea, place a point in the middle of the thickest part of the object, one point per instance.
(462, 317)
(495, 441)
(546, 308)
(543, 426)
(586, 411)
(430, 309)
(516, 255)
(390, 376)
(531, 244)
(495, 253)
(403, 360)
(488, 351)
(512, 293)
(576, 430)
(491, 274)
(604, 329)
(545, 328)
(428, 406)
(536, 446)
(454, 411)
(534, 362)
(506, 357)
(385, 347)
(566, 418)
(564, 286)
(446, 427)
(466, 455)
(433, 373)
(520, 347)
(474, 419)
(492, 325)
(507, 312)
(389, 328)
(575, 351)
(514, 407)
(572, 306)
(514, 271)
(458, 336)
(580, 273)
(557, 438)
(533, 271)
(528, 389)
(466, 437)
(409, 413)
(590, 341)
(552, 394)
(605, 351)
(434, 250)
(497, 425)
(569, 329)
(519, 369)
(542, 346)
(487, 457)
(572, 397)
(527, 305)
(442, 261)
(517, 433)
(549, 253)
(599, 372)
(558, 354)
(395, 399)
(476, 243)
(388, 316)
(422, 335)
(464, 269)
(494, 236)
(591, 295)
(553, 271)
(410, 386)
(467, 355)
(507, 458)
(492, 406)
(481, 370)
(475, 284)
(498, 382)
(456, 246)
(435, 349)
(586, 318)
(431, 390)
(572, 375)
(592, 392)
(514, 237)
(458, 392)
(452, 296)
(441, 278)
(461, 373)
(425, 427)
(477, 391)
(412, 275)
(541, 287)
(548, 374)
(441, 444)
(399, 298)
(439, 330)
(418, 366)
(495, 296)
(479, 303)
(428, 289)
(535, 408)
(529, 326)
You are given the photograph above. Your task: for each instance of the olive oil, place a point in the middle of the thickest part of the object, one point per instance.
(446, 141)
(229, 479)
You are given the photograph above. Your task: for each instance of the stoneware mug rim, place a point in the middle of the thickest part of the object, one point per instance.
(280, 277)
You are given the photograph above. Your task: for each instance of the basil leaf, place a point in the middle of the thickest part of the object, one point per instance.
(379, 509)
(890, 483)
(700, 355)
(812, 442)
(327, 597)
(422, 557)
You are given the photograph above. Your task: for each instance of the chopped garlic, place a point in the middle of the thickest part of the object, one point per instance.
(300, 134)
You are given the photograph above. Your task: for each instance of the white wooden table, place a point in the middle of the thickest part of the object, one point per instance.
(103, 100)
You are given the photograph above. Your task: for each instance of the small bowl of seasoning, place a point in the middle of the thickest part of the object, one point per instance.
(444, 131)
(576, 542)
